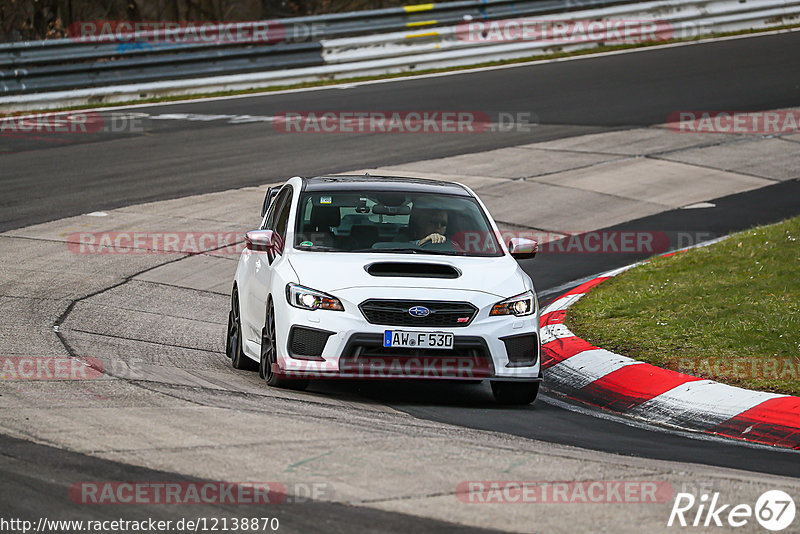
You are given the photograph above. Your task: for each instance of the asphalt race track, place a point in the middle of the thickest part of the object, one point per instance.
(50, 178)
(179, 158)
(551, 423)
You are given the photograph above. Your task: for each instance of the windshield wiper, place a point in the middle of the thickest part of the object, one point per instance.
(321, 248)
(408, 250)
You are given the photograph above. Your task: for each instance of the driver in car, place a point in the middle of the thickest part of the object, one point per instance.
(428, 225)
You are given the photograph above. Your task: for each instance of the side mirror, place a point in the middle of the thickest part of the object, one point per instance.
(271, 192)
(522, 248)
(263, 241)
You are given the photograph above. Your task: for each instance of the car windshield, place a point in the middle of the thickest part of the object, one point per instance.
(394, 222)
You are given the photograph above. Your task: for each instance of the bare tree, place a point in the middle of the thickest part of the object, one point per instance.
(47, 19)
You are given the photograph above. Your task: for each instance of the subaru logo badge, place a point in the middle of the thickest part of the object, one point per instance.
(419, 311)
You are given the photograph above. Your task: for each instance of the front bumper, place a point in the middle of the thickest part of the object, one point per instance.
(330, 344)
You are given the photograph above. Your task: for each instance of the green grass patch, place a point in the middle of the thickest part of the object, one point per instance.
(728, 312)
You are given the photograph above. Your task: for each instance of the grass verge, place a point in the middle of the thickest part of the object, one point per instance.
(728, 312)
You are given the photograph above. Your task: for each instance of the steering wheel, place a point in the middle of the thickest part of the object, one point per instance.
(448, 245)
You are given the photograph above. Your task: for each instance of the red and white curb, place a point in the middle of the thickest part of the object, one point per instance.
(589, 374)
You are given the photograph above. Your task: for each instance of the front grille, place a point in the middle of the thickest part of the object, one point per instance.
(522, 350)
(395, 313)
(307, 342)
(365, 356)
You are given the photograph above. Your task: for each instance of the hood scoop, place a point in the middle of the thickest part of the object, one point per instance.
(412, 270)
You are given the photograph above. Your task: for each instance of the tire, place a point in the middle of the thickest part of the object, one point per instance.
(269, 352)
(233, 341)
(516, 393)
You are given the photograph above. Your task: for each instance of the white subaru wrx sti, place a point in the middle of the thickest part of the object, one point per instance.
(384, 277)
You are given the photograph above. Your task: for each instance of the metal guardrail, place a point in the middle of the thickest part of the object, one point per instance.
(330, 25)
(376, 42)
(92, 61)
(23, 54)
(680, 18)
(163, 66)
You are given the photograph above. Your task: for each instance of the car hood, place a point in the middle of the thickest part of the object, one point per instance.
(330, 271)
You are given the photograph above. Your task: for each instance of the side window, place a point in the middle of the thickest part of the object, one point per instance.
(282, 217)
(275, 207)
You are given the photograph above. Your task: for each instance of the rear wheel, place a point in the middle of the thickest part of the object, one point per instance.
(269, 356)
(515, 392)
(233, 344)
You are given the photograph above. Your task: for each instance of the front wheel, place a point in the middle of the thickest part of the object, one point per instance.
(515, 392)
(269, 356)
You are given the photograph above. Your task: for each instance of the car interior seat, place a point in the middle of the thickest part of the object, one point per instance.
(323, 220)
(363, 236)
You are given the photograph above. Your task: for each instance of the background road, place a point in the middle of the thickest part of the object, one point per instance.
(471, 406)
(191, 152)
(49, 178)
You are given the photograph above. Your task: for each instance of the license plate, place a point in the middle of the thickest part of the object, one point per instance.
(417, 340)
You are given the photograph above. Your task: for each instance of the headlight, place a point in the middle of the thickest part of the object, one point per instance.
(311, 299)
(521, 305)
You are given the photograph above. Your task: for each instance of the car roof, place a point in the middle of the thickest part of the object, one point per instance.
(366, 182)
